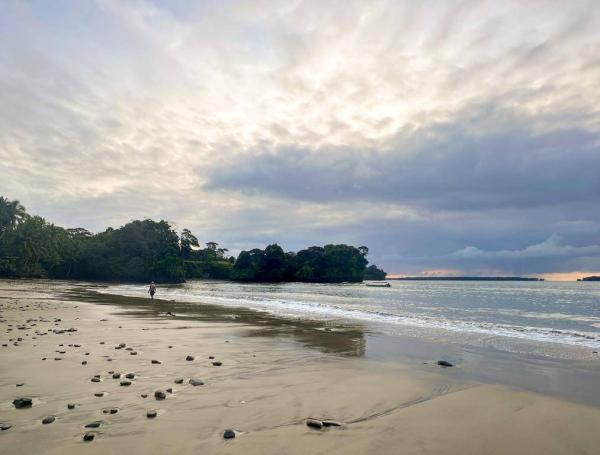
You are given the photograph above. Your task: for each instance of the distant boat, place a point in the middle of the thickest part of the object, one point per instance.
(381, 284)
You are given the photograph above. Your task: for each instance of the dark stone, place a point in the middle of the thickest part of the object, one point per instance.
(196, 382)
(84, 362)
(89, 436)
(151, 414)
(170, 390)
(130, 375)
(160, 395)
(22, 403)
(444, 363)
(179, 381)
(20, 384)
(95, 379)
(94, 424)
(99, 394)
(314, 423)
(144, 395)
(211, 357)
(156, 362)
(122, 345)
(113, 411)
(125, 383)
(217, 364)
(331, 423)
(48, 419)
(228, 434)
(133, 353)
(70, 406)
(189, 358)
(5, 426)
(116, 375)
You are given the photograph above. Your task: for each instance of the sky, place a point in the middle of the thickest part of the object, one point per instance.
(454, 137)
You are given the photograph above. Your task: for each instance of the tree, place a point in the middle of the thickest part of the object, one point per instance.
(12, 213)
(374, 273)
(188, 241)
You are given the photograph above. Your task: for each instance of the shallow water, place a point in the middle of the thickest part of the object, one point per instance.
(547, 318)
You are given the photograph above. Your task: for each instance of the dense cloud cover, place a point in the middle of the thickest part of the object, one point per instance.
(454, 136)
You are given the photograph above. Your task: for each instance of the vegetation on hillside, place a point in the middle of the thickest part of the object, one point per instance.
(145, 250)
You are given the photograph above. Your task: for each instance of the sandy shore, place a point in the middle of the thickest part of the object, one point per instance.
(264, 390)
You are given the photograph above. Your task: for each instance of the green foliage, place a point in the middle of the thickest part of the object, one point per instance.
(146, 250)
(328, 264)
(374, 273)
(139, 251)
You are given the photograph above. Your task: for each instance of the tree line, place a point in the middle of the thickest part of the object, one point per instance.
(145, 250)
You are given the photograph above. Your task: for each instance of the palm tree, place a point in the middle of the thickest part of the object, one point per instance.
(12, 213)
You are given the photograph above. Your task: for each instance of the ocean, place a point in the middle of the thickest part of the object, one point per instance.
(548, 318)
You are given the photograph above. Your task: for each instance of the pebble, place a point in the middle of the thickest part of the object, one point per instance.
(151, 414)
(5, 426)
(99, 394)
(170, 390)
(94, 424)
(84, 362)
(179, 381)
(229, 434)
(21, 403)
(156, 362)
(48, 419)
(331, 423)
(130, 375)
(189, 358)
(89, 436)
(196, 382)
(95, 379)
(110, 411)
(71, 406)
(125, 383)
(314, 423)
(444, 363)
(20, 384)
(211, 357)
(160, 395)
(116, 375)
(217, 364)
(144, 395)
(133, 353)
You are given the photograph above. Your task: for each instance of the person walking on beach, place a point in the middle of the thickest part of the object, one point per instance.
(152, 290)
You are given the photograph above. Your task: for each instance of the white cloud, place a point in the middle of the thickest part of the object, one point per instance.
(114, 110)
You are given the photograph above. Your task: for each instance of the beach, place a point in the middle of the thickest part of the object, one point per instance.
(260, 376)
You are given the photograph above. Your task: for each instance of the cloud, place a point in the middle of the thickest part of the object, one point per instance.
(442, 167)
(417, 128)
(550, 248)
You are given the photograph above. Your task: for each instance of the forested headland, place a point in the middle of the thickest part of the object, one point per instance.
(145, 250)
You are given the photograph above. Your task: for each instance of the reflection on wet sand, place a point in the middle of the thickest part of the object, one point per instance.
(329, 337)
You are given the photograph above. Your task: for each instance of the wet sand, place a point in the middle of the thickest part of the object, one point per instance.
(266, 387)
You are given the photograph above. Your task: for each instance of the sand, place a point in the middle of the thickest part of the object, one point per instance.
(264, 390)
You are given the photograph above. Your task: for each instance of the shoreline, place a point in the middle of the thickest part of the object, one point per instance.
(269, 383)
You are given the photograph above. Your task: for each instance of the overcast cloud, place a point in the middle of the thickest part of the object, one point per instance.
(453, 136)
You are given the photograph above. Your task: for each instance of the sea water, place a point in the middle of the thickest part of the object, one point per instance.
(504, 315)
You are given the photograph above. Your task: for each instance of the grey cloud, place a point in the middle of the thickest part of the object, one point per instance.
(454, 170)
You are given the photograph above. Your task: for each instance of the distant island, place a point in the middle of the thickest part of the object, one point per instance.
(466, 278)
(589, 278)
(147, 250)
